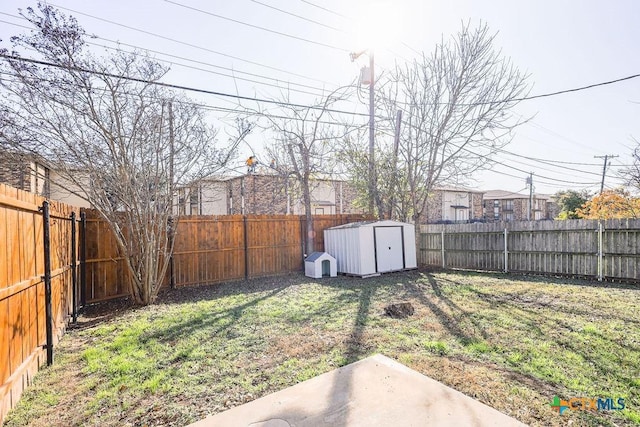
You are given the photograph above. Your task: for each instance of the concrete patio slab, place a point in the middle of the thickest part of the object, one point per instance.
(376, 391)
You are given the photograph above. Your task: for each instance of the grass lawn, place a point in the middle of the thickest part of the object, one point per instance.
(512, 342)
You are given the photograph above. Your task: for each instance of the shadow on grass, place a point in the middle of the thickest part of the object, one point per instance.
(591, 282)
(205, 321)
(448, 321)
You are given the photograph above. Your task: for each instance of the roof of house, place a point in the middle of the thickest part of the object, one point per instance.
(457, 189)
(505, 195)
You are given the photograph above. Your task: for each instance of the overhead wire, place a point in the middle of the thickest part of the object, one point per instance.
(237, 21)
(325, 9)
(180, 87)
(231, 76)
(296, 15)
(495, 161)
(243, 112)
(281, 70)
(362, 114)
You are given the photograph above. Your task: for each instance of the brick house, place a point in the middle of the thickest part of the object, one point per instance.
(25, 172)
(31, 173)
(500, 205)
(262, 194)
(453, 204)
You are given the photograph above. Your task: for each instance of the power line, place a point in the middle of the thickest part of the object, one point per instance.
(577, 89)
(118, 43)
(553, 163)
(231, 110)
(180, 87)
(321, 24)
(497, 162)
(297, 16)
(192, 45)
(258, 27)
(520, 170)
(325, 9)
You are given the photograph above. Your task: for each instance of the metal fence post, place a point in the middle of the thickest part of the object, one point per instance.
(506, 252)
(74, 281)
(83, 259)
(47, 281)
(444, 265)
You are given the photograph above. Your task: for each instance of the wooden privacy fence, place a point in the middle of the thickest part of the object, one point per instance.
(209, 249)
(36, 286)
(600, 249)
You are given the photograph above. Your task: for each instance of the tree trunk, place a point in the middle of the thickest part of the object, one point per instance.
(311, 238)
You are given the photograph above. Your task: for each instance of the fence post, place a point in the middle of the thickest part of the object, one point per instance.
(246, 247)
(74, 269)
(83, 258)
(506, 252)
(47, 281)
(172, 230)
(444, 265)
(600, 254)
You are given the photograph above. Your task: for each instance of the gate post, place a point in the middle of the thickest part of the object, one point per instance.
(74, 270)
(47, 281)
(83, 259)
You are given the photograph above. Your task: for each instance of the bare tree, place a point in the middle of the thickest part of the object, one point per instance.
(632, 173)
(304, 146)
(455, 104)
(112, 133)
(392, 194)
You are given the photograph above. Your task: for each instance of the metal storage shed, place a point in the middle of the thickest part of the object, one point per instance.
(372, 247)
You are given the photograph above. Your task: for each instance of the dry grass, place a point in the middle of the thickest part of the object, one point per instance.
(511, 342)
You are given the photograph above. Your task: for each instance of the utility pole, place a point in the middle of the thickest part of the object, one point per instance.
(604, 168)
(171, 154)
(372, 173)
(396, 145)
(529, 182)
(373, 187)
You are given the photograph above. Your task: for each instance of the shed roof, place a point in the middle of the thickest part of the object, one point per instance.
(382, 223)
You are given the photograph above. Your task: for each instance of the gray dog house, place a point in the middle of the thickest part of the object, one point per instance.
(320, 264)
(372, 247)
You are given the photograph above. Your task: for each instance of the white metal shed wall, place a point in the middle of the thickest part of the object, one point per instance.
(410, 258)
(354, 246)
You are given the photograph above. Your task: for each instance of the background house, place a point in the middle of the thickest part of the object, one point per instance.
(264, 194)
(500, 205)
(453, 204)
(25, 172)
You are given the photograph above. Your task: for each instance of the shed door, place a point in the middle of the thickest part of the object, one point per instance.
(389, 250)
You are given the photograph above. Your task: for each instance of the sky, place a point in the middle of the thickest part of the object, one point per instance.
(298, 48)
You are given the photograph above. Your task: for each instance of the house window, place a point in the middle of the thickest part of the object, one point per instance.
(508, 216)
(496, 212)
(193, 202)
(319, 211)
(507, 205)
